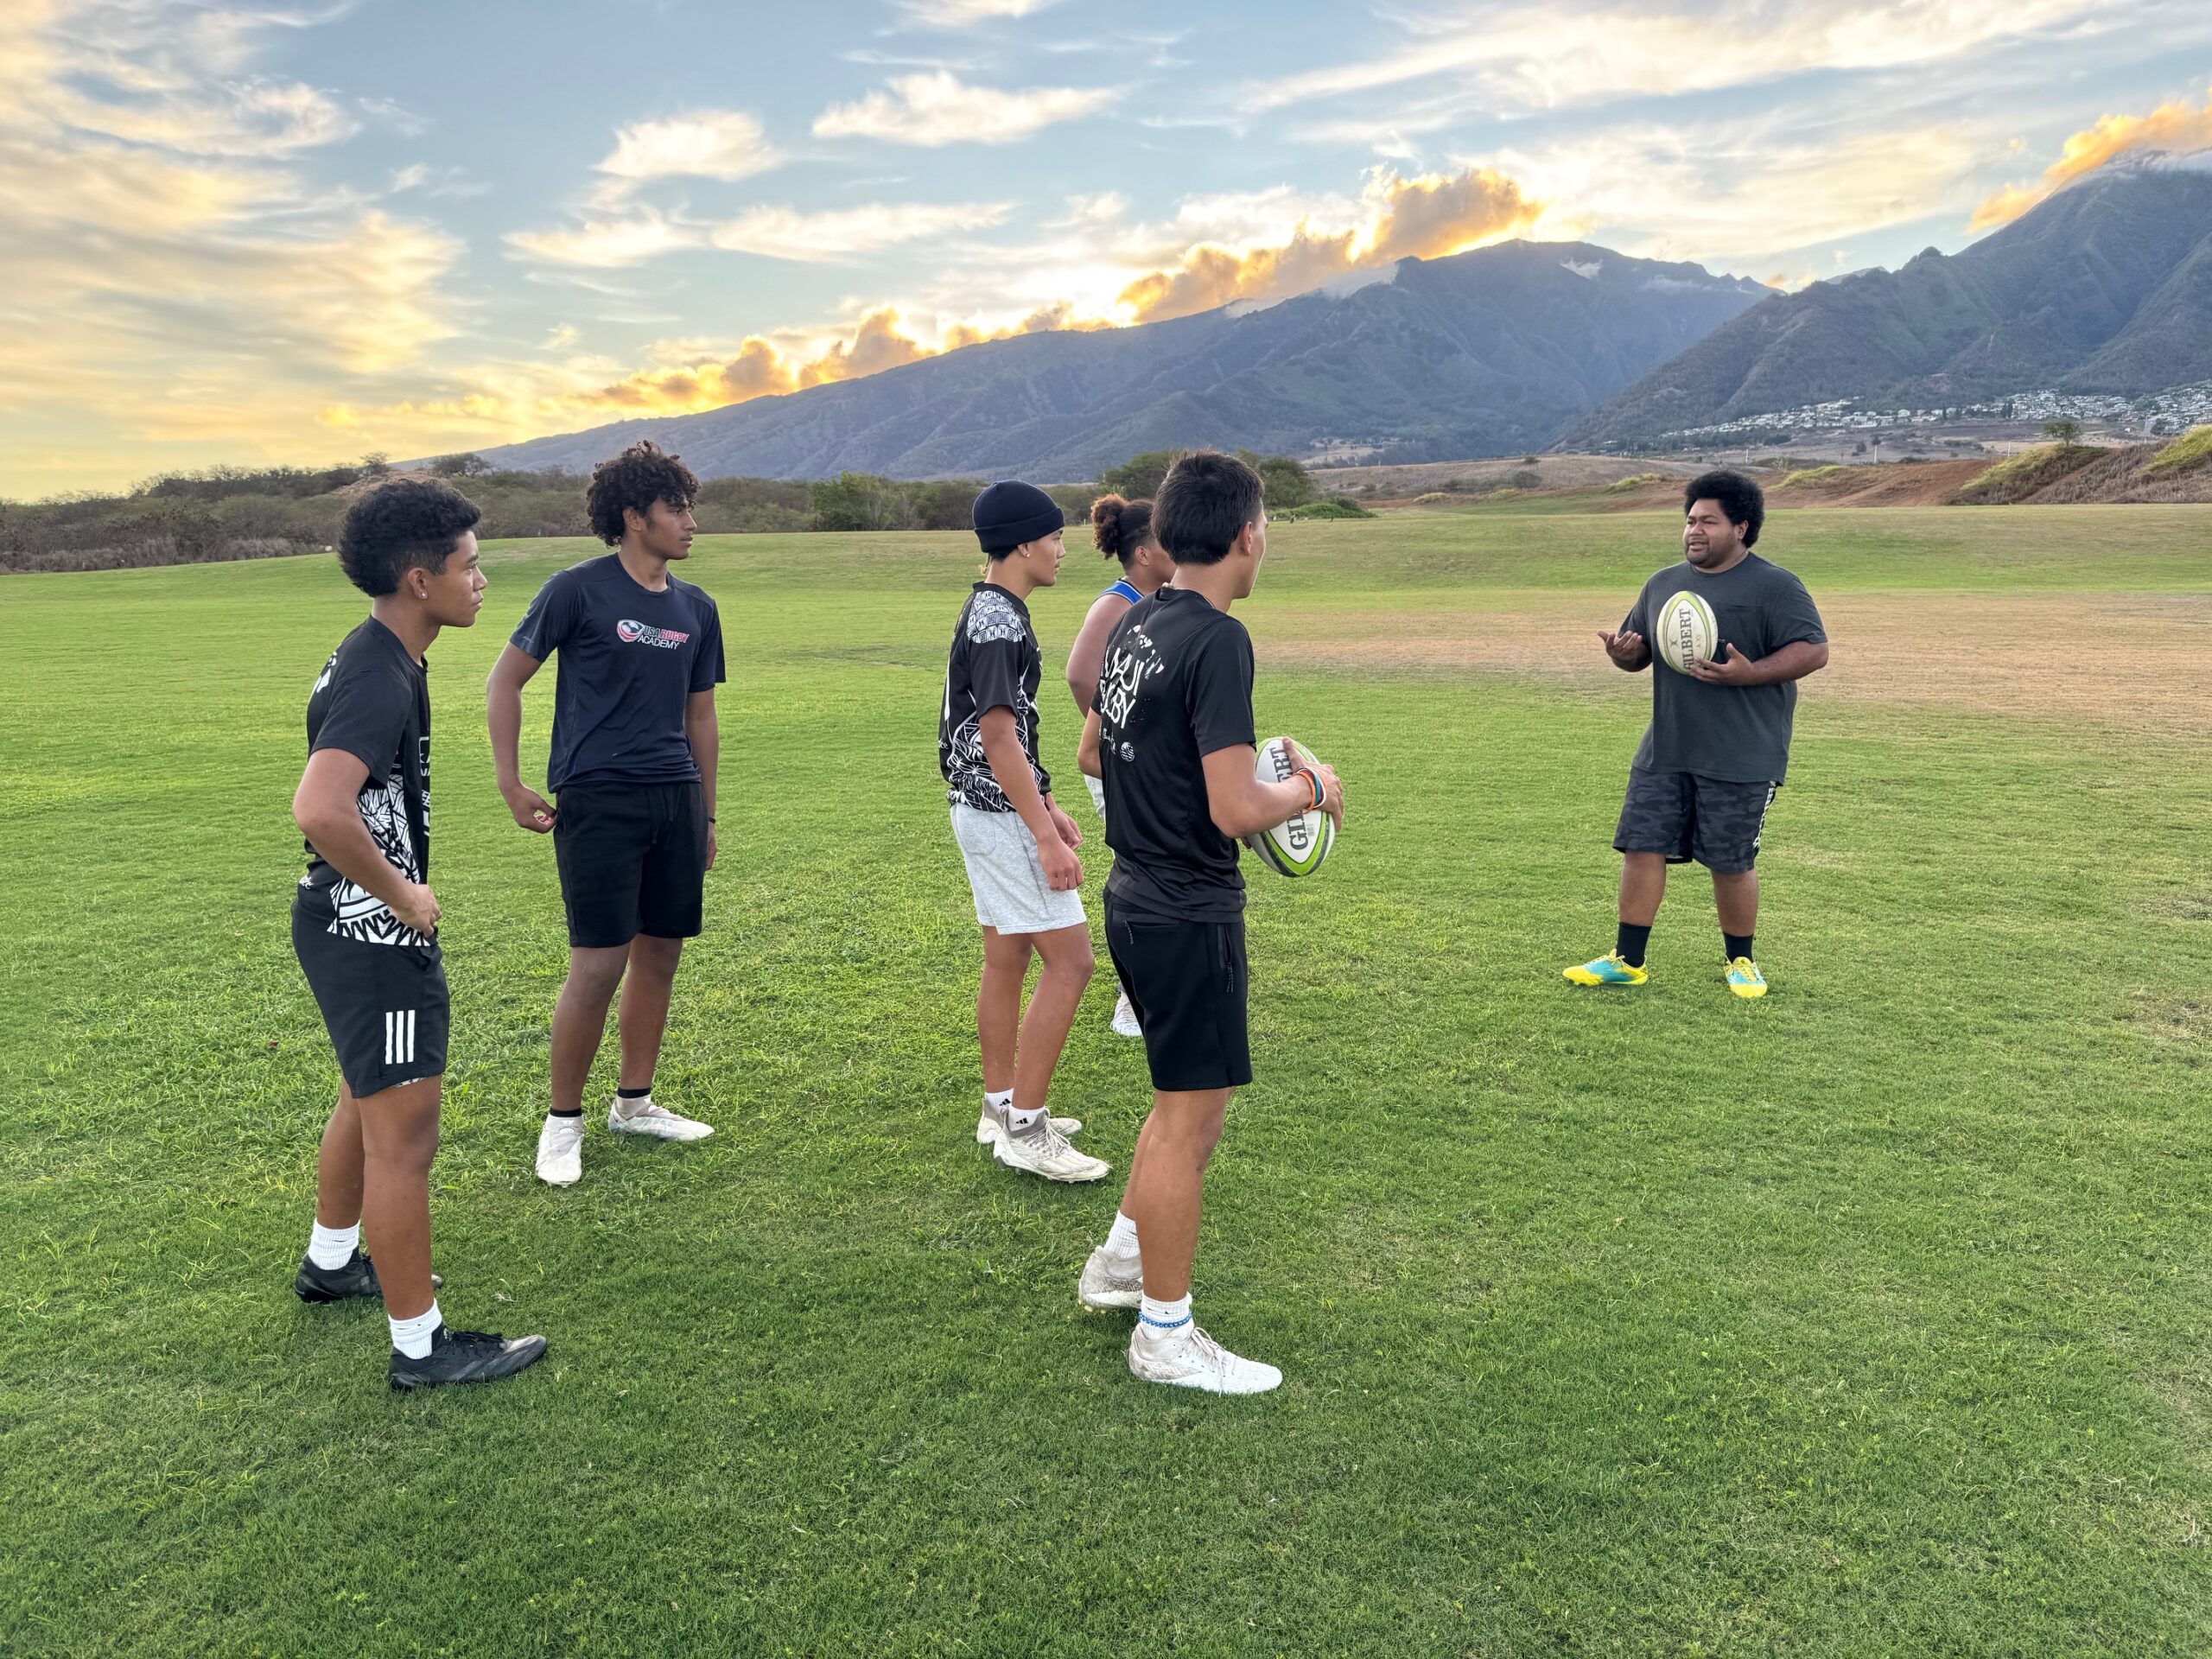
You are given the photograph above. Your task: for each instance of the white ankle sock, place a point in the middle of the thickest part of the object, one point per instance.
(1019, 1120)
(1157, 1318)
(1122, 1240)
(998, 1097)
(412, 1336)
(333, 1247)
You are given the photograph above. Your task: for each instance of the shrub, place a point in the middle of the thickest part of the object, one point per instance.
(2185, 455)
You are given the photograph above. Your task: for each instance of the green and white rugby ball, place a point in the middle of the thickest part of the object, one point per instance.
(1684, 631)
(1296, 846)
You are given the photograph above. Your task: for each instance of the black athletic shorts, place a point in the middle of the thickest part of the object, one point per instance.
(384, 1006)
(1187, 982)
(633, 860)
(1713, 820)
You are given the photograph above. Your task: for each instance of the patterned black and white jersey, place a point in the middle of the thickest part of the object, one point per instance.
(372, 701)
(994, 663)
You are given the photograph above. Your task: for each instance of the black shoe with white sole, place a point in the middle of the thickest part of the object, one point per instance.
(464, 1356)
(357, 1278)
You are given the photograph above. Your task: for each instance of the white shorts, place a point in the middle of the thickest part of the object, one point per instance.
(1008, 877)
(1098, 793)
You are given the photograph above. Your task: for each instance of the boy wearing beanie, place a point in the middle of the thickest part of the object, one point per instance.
(1018, 845)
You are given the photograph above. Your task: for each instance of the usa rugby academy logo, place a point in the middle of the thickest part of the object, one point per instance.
(643, 634)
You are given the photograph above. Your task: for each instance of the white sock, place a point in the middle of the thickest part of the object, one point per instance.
(1122, 1240)
(412, 1336)
(1018, 1121)
(999, 1098)
(1157, 1318)
(333, 1247)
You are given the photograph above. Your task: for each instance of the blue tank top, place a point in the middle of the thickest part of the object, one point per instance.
(1126, 591)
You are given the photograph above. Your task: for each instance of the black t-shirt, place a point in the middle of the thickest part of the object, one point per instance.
(1176, 686)
(994, 662)
(372, 701)
(1739, 732)
(630, 660)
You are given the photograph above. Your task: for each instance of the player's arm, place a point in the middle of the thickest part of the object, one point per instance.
(1086, 748)
(503, 714)
(326, 808)
(1792, 661)
(1088, 655)
(704, 733)
(1010, 766)
(1628, 649)
(1241, 804)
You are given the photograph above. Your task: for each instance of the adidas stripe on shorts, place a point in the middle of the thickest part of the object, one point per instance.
(385, 1006)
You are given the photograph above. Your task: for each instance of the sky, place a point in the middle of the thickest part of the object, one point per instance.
(256, 232)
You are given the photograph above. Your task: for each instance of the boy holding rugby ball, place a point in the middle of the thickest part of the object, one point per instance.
(1176, 746)
(1018, 845)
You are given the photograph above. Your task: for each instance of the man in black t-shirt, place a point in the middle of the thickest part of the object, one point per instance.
(1717, 746)
(632, 761)
(1175, 739)
(364, 925)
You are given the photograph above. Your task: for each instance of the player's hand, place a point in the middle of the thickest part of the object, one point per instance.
(1625, 647)
(710, 846)
(531, 809)
(1070, 832)
(1333, 793)
(1731, 667)
(1062, 871)
(417, 907)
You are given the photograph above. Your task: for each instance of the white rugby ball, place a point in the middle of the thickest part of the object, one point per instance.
(1297, 846)
(1684, 631)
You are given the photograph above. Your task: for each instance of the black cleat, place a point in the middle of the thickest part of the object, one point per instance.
(464, 1356)
(357, 1278)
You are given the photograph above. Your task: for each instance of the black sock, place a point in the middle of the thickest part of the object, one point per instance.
(1736, 944)
(633, 1094)
(578, 1112)
(1628, 943)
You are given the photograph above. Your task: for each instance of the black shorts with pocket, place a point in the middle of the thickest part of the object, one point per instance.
(1188, 983)
(385, 1006)
(633, 860)
(1684, 815)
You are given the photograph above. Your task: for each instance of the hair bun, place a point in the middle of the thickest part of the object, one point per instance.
(1106, 527)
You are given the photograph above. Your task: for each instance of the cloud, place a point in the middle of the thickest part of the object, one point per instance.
(722, 144)
(2174, 125)
(938, 108)
(607, 244)
(966, 14)
(1424, 217)
(787, 233)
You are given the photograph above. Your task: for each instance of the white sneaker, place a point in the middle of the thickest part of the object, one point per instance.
(1125, 1018)
(561, 1151)
(1188, 1358)
(987, 1129)
(1110, 1280)
(643, 1117)
(1042, 1150)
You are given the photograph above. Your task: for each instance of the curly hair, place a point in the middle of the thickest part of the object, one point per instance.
(1203, 504)
(1120, 527)
(403, 524)
(1738, 497)
(641, 475)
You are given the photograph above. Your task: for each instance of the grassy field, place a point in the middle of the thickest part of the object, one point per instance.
(1872, 1319)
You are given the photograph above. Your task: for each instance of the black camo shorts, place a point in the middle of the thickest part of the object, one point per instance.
(1684, 815)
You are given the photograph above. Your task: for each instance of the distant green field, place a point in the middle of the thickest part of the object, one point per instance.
(1872, 1319)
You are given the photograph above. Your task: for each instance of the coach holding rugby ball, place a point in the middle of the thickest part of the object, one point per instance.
(1735, 634)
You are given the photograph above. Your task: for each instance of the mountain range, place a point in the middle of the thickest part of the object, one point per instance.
(2105, 287)
(1491, 352)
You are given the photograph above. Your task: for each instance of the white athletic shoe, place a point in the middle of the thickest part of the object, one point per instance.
(1125, 1018)
(643, 1117)
(1042, 1150)
(987, 1129)
(1110, 1280)
(1188, 1358)
(561, 1151)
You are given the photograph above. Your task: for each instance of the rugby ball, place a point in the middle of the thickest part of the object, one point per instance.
(1684, 631)
(1297, 846)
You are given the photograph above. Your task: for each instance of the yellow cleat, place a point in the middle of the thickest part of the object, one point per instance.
(1744, 978)
(1608, 970)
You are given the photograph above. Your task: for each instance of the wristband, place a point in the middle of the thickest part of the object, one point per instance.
(1313, 778)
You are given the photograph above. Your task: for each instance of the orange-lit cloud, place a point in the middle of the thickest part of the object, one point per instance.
(1423, 217)
(2170, 126)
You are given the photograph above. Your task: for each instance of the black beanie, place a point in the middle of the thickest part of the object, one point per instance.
(1010, 512)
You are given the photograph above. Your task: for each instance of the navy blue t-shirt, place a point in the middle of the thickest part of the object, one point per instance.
(630, 659)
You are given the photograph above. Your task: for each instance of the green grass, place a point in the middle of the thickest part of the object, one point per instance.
(1870, 1319)
(2192, 450)
(2018, 477)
